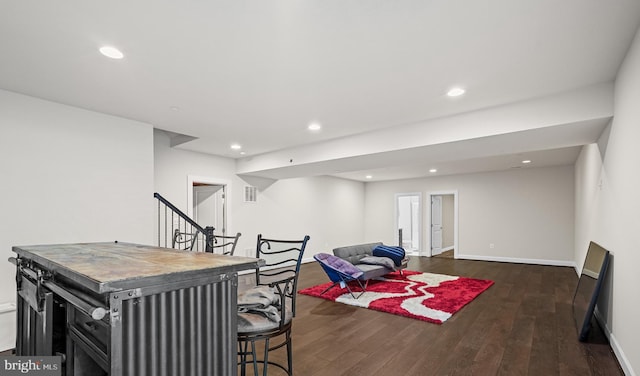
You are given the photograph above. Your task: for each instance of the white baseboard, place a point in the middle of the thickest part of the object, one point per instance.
(7, 326)
(517, 260)
(622, 359)
(307, 260)
(615, 346)
(442, 250)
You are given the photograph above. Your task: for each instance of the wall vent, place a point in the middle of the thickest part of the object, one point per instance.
(250, 194)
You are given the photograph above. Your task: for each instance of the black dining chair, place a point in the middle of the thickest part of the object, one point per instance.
(225, 244)
(266, 311)
(219, 244)
(184, 240)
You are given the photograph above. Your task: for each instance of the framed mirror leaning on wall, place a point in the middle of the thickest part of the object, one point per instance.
(585, 298)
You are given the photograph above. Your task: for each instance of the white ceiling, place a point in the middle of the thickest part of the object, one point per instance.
(257, 72)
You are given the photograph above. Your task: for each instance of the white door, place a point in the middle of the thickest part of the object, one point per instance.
(436, 225)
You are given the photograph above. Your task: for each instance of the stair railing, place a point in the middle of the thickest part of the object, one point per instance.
(177, 230)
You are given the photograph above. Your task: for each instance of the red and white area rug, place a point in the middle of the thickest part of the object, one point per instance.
(423, 296)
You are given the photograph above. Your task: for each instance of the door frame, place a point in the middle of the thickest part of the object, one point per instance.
(420, 219)
(213, 181)
(427, 248)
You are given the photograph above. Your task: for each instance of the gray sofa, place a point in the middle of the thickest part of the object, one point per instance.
(355, 255)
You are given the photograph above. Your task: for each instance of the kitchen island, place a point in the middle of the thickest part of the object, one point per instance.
(126, 309)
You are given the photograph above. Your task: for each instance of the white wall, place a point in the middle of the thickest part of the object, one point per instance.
(70, 175)
(608, 212)
(327, 209)
(7, 326)
(526, 213)
(447, 221)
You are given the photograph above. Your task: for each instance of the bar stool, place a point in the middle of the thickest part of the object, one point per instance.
(266, 311)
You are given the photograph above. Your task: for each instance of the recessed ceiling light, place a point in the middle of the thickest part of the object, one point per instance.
(433, 170)
(175, 108)
(314, 126)
(455, 92)
(243, 153)
(526, 161)
(369, 177)
(236, 146)
(111, 52)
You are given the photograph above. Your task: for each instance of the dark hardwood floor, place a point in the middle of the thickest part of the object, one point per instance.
(522, 325)
(445, 254)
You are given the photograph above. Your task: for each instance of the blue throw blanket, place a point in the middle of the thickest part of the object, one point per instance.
(394, 253)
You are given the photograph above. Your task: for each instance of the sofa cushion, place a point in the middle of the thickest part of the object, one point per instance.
(354, 253)
(382, 261)
(372, 271)
(394, 253)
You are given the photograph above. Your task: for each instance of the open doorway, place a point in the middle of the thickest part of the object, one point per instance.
(207, 200)
(208, 205)
(408, 223)
(443, 217)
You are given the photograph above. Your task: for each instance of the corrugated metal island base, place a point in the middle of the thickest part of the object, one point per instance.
(125, 309)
